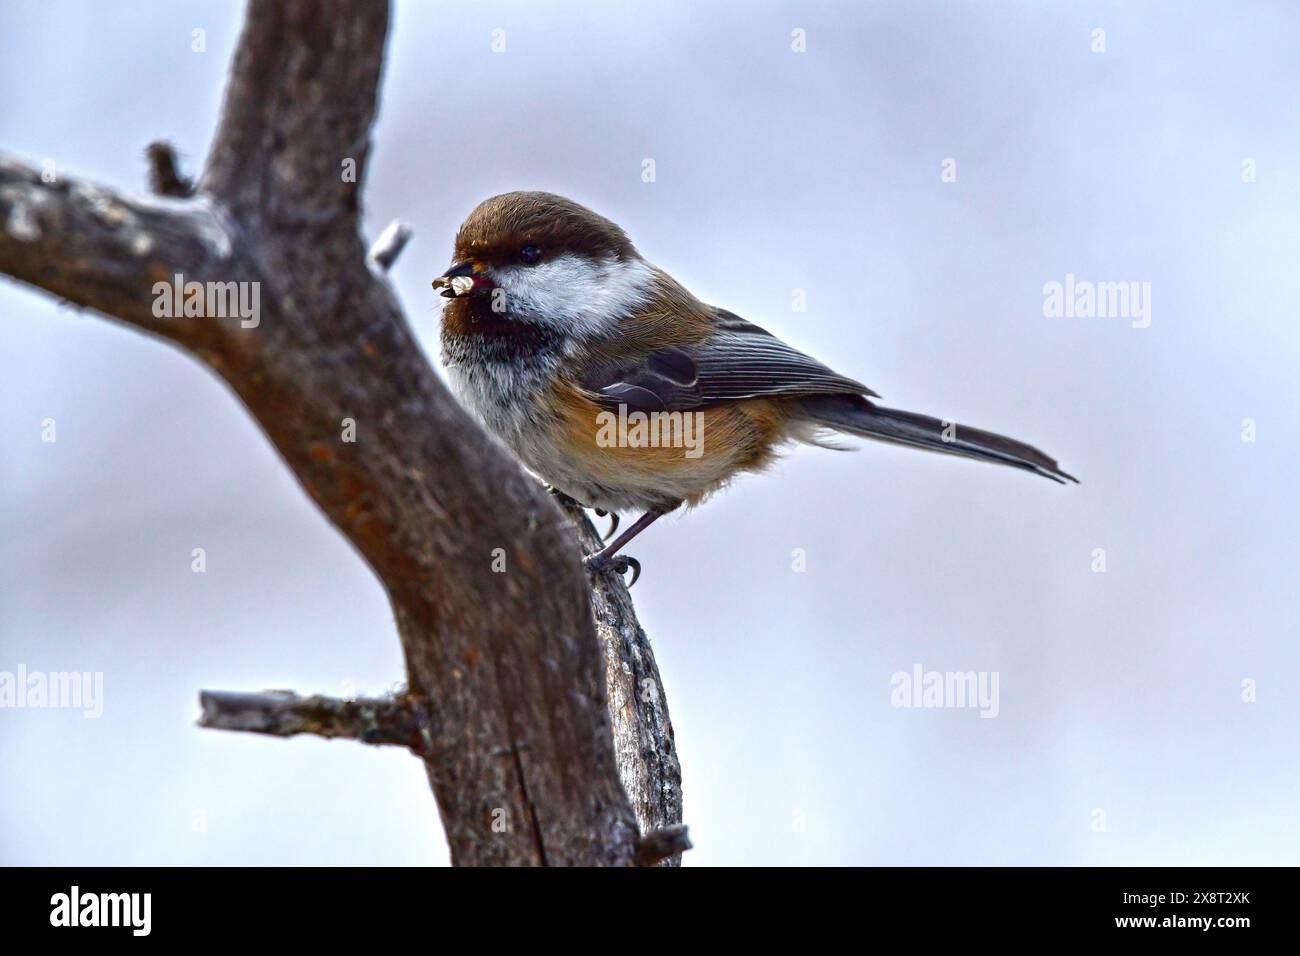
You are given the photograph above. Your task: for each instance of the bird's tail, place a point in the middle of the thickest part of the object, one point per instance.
(855, 415)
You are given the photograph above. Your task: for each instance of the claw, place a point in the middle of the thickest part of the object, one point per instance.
(635, 565)
(619, 564)
(613, 523)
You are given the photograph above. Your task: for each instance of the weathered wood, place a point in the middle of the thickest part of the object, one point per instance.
(643, 733)
(402, 721)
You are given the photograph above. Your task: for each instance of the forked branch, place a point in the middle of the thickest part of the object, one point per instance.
(482, 569)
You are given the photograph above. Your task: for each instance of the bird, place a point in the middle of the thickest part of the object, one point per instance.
(586, 361)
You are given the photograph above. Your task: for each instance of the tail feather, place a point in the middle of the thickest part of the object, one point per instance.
(855, 415)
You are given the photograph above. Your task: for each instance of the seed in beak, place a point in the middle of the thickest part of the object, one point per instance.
(460, 285)
(453, 286)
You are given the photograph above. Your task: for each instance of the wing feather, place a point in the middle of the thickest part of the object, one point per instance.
(738, 361)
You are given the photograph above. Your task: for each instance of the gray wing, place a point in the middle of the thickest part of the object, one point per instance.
(739, 361)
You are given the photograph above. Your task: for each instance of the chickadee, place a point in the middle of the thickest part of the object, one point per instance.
(556, 325)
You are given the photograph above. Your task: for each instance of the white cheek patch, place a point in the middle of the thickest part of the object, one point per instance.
(576, 294)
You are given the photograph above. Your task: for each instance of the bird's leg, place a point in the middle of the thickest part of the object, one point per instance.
(610, 559)
(637, 527)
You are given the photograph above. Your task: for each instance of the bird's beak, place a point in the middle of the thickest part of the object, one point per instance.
(464, 278)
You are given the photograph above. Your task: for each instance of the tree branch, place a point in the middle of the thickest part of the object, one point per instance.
(488, 593)
(298, 108)
(402, 720)
(95, 247)
(165, 177)
(389, 245)
(659, 846)
(644, 744)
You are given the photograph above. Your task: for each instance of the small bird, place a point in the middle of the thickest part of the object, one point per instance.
(586, 361)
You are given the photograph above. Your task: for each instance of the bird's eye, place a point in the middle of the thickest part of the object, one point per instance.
(530, 255)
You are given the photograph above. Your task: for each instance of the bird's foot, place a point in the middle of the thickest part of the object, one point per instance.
(619, 564)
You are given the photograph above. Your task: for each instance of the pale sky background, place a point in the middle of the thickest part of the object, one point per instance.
(1120, 692)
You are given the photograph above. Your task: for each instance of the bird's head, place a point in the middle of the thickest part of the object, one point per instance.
(542, 259)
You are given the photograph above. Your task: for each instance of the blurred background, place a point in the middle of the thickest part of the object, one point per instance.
(1147, 712)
